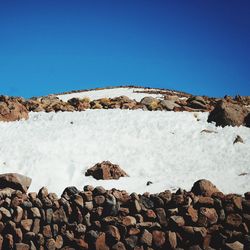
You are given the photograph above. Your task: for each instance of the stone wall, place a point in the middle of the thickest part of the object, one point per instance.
(95, 218)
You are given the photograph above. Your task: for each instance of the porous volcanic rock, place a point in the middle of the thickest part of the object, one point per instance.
(227, 113)
(106, 171)
(15, 181)
(12, 110)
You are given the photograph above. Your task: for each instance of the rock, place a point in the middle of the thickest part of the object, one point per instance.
(235, 246)
(150, 102)
(15, 181)
(6, 192)
(12, 110)
(131, 241)
(50, 244)
(171, 239)
(100, 243)
(118, 246)
(247, 120)
(197, 102)
(238, 139)
(159, 238)
(5, 213)
(105, 171)
(18, 214)
(169, 105)
(128, 221)
(113, 234)
(204, 187)
(234, 220)
(26, 225)
(228, 114)
(22, 246)
(146, 238)
(161, 215)
(192, 214)
(210, 214)
(99, 200)
(177, 221)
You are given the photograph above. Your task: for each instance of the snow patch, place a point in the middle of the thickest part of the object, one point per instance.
(166, 148)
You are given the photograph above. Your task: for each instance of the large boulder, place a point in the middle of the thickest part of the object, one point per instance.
(204, 187)
(169, 105)
(15, 181)
(12, 110)
(228, 113)
(150, 102)
(105, 171)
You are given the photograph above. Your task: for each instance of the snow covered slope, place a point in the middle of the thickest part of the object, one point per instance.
(166, 148)
(110, 93)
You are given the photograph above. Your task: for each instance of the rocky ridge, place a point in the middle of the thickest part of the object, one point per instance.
(223, 111)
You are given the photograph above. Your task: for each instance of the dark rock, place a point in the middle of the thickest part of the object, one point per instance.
(238, 139)
(228, 114)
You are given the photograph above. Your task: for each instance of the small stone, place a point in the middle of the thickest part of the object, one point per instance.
(113, 234)
(5, 213)
(118, 246)
(159, 238)
(177, 221)
(129, 221)
(50, 244)
(235, 246)
(47, 231)
(26, 224)
(35, 212)
(99, 199)
(161, 215)
(238, 139)
(22, 246)
(131, 241)
(234, 220)
(171, 239)
(146, 238)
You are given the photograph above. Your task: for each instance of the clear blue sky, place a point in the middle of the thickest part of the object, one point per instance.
(48, 46)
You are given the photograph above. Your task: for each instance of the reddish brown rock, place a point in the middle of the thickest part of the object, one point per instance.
(146, 238)
(12, 110)
(129, 221)
(234, 220)
(105, 171)
(113, 234)
(204, 187)
(159, 238)
(100, 243)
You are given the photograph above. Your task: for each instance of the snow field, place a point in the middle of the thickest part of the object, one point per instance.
(110, 93)
(167, 148)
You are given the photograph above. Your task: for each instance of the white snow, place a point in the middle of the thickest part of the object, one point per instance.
(166, 148)
(110, 93)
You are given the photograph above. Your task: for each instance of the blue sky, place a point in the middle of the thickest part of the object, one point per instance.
(51, 46)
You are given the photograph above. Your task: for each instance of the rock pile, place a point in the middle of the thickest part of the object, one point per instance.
(12, 109)
(101, 219)
(106, 171)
